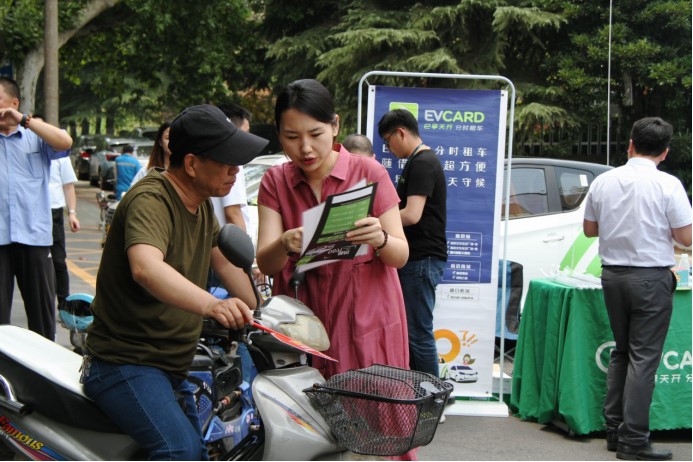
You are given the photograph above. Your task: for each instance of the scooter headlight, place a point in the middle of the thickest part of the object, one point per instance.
(308, 330)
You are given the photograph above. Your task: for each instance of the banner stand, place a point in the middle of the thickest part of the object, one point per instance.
(491, 406)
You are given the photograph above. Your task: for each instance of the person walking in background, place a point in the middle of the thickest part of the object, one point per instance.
(359, 301)
(358, 144)
(159, 157)
(637, 212)
(27, 148)
(233, 207)
(62, 192)
(150, 299)
(126, 167)
(422, 194)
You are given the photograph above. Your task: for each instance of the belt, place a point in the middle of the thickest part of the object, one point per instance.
(619, 267)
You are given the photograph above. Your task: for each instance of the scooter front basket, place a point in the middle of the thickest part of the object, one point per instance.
(381, 410)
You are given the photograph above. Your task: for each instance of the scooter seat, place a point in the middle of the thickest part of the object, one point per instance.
(45, 376)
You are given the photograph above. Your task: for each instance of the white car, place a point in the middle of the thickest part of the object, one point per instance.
(462, 374)
(545, 217)
(253, 172)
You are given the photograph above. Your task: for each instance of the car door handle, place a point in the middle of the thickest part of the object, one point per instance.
(553, 238)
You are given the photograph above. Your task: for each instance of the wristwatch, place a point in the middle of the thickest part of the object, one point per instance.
(72, 212)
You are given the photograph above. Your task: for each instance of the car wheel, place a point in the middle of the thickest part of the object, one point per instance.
(94, 181)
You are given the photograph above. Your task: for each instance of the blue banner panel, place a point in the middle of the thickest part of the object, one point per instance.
(463, 127)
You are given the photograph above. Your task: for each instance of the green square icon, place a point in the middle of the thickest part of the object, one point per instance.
(411, 107)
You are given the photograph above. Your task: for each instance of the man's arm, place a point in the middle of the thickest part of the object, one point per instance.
(57, 138)
(682, 235)
(71, 201)
(233, 214)
(169, 286)
(591, 228)
(411, 214)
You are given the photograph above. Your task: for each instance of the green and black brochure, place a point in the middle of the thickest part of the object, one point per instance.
(325, 227)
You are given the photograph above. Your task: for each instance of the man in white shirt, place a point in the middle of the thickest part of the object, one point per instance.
(233, 208)
(637, 211)
(62, 194)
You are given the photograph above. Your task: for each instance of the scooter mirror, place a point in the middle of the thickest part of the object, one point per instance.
(237, 247)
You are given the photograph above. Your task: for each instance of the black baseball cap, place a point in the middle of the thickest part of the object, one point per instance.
(205, 131)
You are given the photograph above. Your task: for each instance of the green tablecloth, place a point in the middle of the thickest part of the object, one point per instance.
(563, 350)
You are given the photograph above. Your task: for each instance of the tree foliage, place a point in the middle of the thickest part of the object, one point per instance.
(465, 37)
(650, 68)
(153, 57)
(142, 56)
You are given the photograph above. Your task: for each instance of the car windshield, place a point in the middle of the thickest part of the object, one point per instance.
(254, 171)
(253, 175)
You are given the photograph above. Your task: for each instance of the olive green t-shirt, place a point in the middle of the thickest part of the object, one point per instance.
(130, 325)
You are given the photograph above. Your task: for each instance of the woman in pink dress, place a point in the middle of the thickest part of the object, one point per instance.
(359, 301)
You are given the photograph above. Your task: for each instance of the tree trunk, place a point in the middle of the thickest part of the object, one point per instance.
(28, 71)
(50, 75)
(27, 76)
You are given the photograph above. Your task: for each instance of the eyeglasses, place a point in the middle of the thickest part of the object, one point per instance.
(387, 139)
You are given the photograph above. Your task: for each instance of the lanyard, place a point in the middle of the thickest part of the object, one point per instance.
(406, 167)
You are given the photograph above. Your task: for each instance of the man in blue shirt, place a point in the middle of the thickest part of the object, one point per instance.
(27, 147)
(126, 167)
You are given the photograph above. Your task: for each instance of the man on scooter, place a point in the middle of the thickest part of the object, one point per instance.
(150, 298)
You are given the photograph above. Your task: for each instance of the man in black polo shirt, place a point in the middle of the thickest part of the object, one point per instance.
(421, 189)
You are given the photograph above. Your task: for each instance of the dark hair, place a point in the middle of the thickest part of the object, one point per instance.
(236, 114)
(395, 119)
(359, 143)
(156, 157)
(10, 86)
(309, 97)
(127, 149)
(651, 136)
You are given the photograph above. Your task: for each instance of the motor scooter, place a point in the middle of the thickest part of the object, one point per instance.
(107, 205)
(282, 409)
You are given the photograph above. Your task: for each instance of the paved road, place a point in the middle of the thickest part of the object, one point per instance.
(459, 438)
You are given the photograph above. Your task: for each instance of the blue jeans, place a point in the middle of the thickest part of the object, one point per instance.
(144, 402)
(419, 280)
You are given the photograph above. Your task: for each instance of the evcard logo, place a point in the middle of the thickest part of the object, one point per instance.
(671, 360)
(441, 116)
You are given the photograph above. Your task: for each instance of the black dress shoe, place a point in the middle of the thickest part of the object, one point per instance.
(643, 452)
(612, 440)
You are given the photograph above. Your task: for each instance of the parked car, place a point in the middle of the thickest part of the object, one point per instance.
(462, 374)
(107, 149)
(145, 132)
(103, 161)
(80, 154)
(253, 172)
(546, 210)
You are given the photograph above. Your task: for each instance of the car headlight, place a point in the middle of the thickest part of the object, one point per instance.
(308, 330)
